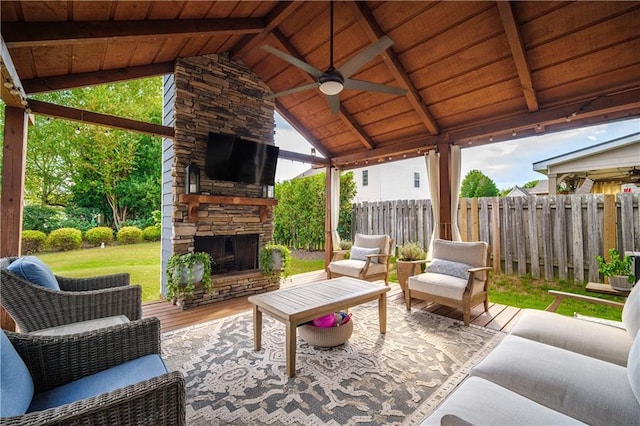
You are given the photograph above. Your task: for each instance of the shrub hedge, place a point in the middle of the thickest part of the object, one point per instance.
(129, 235)
(33, 241)
(64, 239)
(151, 233)
(98, 235)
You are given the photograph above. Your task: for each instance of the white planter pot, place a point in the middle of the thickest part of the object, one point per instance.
(198, 273)
(620, 282)
(277, 260)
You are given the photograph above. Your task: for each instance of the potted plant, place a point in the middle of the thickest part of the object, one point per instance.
(618, 270)
(409, 258)
(185, 270)
(275, 261)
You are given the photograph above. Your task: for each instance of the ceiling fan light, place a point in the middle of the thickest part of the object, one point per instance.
(331, 87)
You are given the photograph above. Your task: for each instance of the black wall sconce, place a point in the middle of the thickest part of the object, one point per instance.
(192, 179)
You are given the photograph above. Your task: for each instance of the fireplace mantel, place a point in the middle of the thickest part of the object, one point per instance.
(194, 201)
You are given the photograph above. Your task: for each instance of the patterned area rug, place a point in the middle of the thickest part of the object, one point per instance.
(397, 378)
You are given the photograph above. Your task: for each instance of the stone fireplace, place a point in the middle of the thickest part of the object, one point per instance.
(230, 220)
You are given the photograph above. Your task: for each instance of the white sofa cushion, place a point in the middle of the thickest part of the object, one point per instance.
(633, 369)
(596, 340)
(588, 389)
(353, 268)
(442, 285)
(480, 402)
(631, 312)
(470, 253)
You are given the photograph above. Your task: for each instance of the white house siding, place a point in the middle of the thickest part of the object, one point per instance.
(392, 181)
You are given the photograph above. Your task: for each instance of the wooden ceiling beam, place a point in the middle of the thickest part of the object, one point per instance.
(13, 95)
(303, 158)
(602, 109)
(343, 114)
(50, 84)
(81, 116)
(281, 12)
(374, 32)
(32, 34)
(300, 128)
(516, 45)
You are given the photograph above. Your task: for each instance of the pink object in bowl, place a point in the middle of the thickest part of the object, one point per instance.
(325, 321)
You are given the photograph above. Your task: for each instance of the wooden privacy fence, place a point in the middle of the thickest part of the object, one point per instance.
(550, 237)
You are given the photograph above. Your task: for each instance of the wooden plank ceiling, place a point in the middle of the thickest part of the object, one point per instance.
(475, 72)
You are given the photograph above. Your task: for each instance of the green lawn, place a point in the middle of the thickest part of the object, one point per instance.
(142, 261)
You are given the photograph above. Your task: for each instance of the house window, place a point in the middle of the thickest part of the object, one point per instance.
(365, 177)
(416, 180)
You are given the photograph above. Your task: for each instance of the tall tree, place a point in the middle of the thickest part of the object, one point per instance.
(115, 171)
(477, 184)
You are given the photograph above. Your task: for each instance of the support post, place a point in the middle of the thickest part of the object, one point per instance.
(11, 199)
(445, 191)
(328, 238)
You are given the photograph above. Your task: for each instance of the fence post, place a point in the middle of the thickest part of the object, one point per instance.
(610, 234)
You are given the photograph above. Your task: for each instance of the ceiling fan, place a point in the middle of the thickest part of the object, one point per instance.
(332, 81)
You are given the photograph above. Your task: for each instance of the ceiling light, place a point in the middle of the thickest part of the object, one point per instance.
(331, 82)
(331, 87)
(513, 133)
(490, 138)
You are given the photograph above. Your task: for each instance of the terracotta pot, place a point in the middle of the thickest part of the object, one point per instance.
(404, 269)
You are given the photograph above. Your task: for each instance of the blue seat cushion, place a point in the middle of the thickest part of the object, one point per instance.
(117, 377)
(35, 271)
(16, 384)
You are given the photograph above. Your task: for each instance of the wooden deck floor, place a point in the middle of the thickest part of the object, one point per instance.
(499, 317)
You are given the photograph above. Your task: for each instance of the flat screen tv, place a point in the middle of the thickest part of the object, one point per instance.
(234, 159)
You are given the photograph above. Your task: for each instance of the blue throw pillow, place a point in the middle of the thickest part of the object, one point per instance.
(16, 384)
(447, 267)
(34, 270)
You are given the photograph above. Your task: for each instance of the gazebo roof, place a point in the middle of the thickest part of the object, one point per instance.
(475, 72)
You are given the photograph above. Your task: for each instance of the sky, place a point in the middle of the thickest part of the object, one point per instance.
(506, 163)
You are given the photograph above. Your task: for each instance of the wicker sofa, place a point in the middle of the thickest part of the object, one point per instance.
(46, 300)
(553, 369)
(112, 376)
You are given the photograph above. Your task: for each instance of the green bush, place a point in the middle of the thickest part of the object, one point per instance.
(129, 235)
(64, 239)
(99, 235)
(41, 218)
(151, 233)
(33, 241)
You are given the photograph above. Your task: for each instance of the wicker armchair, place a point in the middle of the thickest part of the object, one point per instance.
(34, 307)
(56, 360)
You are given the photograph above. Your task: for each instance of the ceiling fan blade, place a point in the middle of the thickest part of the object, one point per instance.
(294, 61)
(354, 64)
(350, 83)
(334, 103)
(295, 90)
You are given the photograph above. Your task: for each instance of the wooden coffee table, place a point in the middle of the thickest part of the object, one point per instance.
(296, 305)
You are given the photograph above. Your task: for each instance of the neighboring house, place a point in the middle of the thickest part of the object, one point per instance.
(541, 188)
(400, 180)
(609, 167)
(518, 192)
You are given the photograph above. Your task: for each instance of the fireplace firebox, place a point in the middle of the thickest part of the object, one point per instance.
(230, 253)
